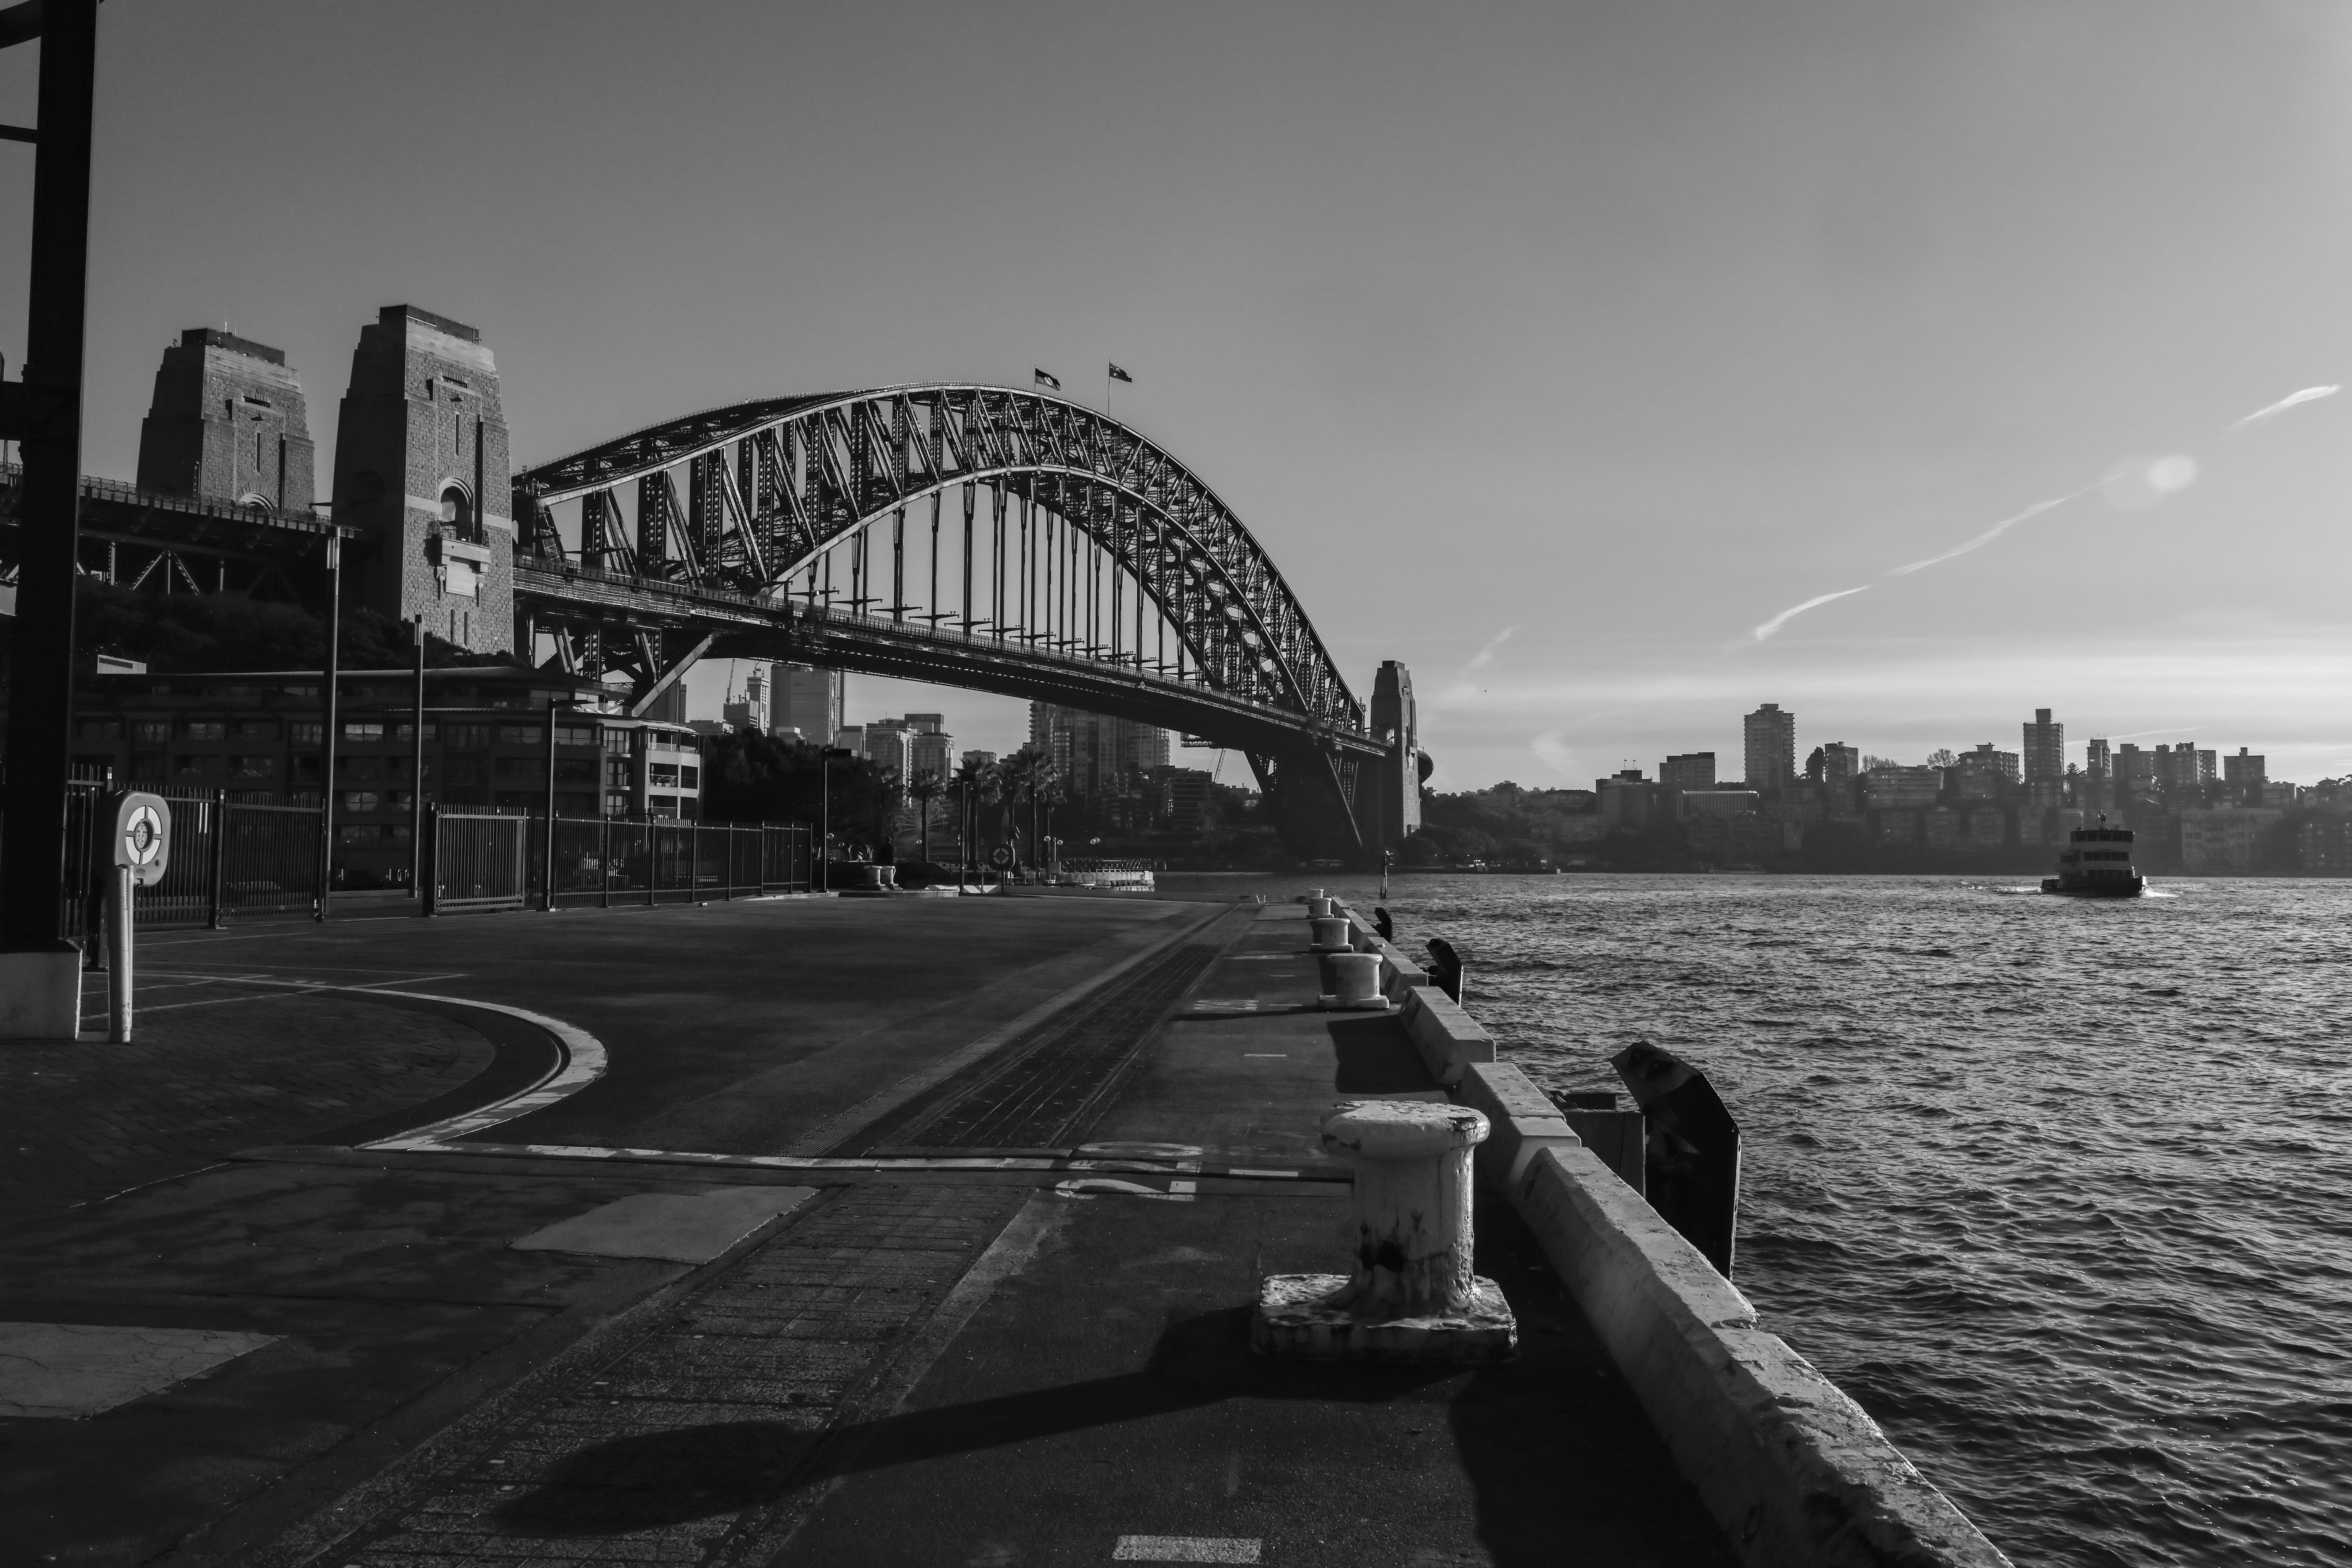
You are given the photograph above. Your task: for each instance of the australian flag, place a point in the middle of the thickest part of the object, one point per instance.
(1118, 374)
(1045, 379)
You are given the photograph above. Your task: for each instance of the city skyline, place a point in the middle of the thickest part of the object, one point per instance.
(1690, 338)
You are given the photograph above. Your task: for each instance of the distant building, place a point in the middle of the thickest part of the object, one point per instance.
(228, 421)
(1698, 802)
(750, 710)
(977, 760)
(2133, 769)
(2045, 747)
(1096, 754)
(1694, 771)
(1771, 744)
(1888, 787)
(2224, 841)
(1181, 798)
(1985, 774)
(2245, 773)
(2323, 846)
(1841, 765)
(807, 699)
(2098, 760)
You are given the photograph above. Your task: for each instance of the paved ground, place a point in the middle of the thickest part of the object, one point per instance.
(1043, 1362)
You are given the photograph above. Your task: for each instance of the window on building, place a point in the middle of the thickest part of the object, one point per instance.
(663, 775)
(661, 806)
(361, 800)
(618, 741)
(363, 729)
(689, 778)
(149, 767)
(253, 767)
(618, 774)
(405, 732)
(616, 806)
(575, 734)
(202, 767)
(349, 767)
(521, 768)
(522, 735)
(458, 511)
(575, 773)
(204, 729)
(257, 729)
(99, 729)
(150, 731)
(304, 731)
(464, 770)
(469, 737)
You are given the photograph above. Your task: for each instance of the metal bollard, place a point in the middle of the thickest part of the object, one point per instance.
(1331, 935)
(1412, 1295)
(1352, 981)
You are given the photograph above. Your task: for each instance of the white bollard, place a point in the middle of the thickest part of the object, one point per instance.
(1331, 934)
(1413, 1295)
(1320, 910)
(1352, 980)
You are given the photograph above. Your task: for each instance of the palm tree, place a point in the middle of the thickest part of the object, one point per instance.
(966, 783)
(925, 787)
(1015, 774)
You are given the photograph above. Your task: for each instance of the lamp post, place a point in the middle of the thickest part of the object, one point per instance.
(329, 713)
(416, 774)
(824, 814)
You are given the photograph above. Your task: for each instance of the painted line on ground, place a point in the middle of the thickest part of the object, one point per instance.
(1187, 1549)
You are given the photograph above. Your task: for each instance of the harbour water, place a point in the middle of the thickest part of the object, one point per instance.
(2060, 1190)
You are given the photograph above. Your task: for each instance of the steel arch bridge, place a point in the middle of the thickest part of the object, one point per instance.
(1034, 547)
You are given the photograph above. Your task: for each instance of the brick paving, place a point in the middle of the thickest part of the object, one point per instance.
(85, 1121)
(698, 1439)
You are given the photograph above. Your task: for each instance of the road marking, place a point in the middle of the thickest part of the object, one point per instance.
(1093, 1186)
(1126, 1151)
(1247, 1171)
(1186, 1549)
(1266, 1055)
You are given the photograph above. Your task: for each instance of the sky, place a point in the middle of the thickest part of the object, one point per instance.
(1553, 349)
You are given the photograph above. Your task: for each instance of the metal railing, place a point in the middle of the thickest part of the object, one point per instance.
(228, 859)
(493, 860)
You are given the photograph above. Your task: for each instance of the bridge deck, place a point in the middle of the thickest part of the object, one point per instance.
(943, 1352)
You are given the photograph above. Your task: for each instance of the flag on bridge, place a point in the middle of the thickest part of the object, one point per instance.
(1118, 374)
(1043, 379)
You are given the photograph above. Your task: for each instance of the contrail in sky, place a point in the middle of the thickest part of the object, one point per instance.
(1793, 611)
(2130, 488)
(1989, 534)
(2308, 394)
(1494, 644)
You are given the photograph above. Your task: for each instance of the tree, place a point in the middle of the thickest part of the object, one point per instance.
(1941, 757)
(970, 779)
(925, 787)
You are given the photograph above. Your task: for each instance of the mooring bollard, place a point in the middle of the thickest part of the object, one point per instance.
(1319, 910)
(1413, 1295)
(1331, 934)
(1352, 980)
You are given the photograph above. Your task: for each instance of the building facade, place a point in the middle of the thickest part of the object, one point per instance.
(1694, 770)
(1770, 747)
(806, 701)
(1096, 754)
(2044, 751)
(255, 736)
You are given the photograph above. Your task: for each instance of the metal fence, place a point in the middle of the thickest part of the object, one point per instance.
(608, 863)
(482, 860)
(228, 859)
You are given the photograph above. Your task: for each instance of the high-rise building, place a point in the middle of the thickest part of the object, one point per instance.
(750, 710)
(1096, 754)
(2098, 759)
(930, 748)
(805, 698)
(2245, 773)
(2045, 747)
(1770, 737)
(1695, 770)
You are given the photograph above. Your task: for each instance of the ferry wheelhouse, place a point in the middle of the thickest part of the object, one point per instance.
(2097, 863)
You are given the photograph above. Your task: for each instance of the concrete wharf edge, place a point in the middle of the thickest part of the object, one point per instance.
(1794, 1473)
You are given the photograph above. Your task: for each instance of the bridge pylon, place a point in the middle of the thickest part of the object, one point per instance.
(421, 470)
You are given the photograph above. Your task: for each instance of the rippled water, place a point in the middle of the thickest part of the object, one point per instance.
(2060, 1191)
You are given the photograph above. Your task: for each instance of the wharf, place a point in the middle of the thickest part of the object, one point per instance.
(966, 1201)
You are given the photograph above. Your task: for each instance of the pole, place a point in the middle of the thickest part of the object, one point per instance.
(547, 850)
(416, 775)
(823, 819)
(218, 915)
(118, 968)
(327, 728)
(50, 442)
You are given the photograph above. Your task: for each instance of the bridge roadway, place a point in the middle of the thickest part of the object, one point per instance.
(1001, 1320)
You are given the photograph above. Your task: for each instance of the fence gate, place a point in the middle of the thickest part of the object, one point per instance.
(482, 860)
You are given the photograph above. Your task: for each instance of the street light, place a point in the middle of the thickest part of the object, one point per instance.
(824, 812)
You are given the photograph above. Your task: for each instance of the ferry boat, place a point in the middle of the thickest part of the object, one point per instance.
(2097, 864)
